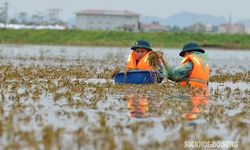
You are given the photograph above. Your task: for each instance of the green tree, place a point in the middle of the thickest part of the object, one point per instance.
(35, 19)
(23, 16)
(175, 28)
(14, 21)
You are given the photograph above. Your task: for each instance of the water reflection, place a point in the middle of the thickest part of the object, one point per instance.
(138, 107)
(192, 104)
(142, 105)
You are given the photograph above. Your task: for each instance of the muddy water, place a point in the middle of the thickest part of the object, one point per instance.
(62, 97)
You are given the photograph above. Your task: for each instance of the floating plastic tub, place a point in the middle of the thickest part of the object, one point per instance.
(136, 77)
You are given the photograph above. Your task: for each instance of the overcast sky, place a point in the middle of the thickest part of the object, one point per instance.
(239, 9)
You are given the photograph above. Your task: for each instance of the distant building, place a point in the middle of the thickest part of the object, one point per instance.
(236, 28)
(224, 28)
(198, 27)
(107, 20)
(248, 30)
(153, 27)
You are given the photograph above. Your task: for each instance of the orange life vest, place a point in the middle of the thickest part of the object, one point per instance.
(142, 64)
(198, 78)
(199, 75)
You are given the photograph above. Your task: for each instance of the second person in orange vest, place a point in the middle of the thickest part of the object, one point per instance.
(193, 70)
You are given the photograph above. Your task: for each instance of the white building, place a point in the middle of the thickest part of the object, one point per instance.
(236, 28)
(224, 28)
(107, 20)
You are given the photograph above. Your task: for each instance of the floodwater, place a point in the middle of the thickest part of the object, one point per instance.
(46, 111)
(219, 57)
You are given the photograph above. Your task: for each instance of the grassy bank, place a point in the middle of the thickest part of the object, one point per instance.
(120, 38)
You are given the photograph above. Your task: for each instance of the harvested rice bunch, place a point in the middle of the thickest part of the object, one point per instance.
(153, 58)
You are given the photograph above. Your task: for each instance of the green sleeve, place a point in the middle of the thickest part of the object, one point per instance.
(180, 73)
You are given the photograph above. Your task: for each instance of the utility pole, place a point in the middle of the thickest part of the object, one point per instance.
(6, 13)
(54, 15)
(230, 23)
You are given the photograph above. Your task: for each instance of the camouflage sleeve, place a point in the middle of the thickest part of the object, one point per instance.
(180, 73)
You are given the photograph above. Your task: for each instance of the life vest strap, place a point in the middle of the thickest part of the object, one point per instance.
(198, 80)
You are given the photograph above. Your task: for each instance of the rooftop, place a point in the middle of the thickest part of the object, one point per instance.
(114, 12)
(151, 25)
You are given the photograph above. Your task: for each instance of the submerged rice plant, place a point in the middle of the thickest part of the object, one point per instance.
(61, 103)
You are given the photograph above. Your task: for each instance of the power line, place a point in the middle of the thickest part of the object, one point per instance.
(54, 15)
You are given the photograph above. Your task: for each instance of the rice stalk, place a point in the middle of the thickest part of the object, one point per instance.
(117, 70)
(156, 62)
(153, 59)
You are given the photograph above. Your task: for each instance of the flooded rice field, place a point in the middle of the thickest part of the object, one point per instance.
(60, 97)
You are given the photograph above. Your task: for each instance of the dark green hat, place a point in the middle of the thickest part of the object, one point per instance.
(141, 44)
(191, 46)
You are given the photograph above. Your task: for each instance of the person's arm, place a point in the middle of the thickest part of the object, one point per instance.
(177, 74)
(180, 73)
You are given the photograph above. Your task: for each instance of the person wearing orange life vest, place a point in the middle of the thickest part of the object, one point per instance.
(194, 70)
(137, 59)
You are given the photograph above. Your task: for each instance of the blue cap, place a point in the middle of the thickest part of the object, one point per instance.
(141, 44)
(190, 47)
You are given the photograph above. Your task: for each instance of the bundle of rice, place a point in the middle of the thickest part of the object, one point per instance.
(154, 58)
